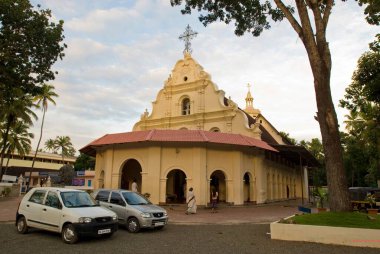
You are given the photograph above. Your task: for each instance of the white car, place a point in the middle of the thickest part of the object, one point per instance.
(73, 213)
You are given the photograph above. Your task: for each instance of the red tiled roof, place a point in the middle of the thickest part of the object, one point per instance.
(175, 136)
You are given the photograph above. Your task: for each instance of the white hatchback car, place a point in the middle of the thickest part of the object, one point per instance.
(73, 213)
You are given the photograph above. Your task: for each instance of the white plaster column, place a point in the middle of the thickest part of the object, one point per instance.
(305, 183)
(20, 181)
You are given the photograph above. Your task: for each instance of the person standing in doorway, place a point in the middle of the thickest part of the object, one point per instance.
(191, 202)
(214, 200)
(134, 185)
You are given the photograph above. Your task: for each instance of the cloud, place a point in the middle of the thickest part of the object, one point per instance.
(120, 52)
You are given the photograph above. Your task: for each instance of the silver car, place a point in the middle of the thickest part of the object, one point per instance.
(133, 209)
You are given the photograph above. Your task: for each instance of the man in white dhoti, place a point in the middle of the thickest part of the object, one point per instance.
(134, 186)
(191, 202)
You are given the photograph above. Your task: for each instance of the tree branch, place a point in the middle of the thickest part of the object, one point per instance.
(320, 27)
(327, 12)
(293, 22)
(307, 29)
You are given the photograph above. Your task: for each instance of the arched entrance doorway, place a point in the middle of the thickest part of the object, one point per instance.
(176, 186)
(218, 183)
(248, 187)
(131, 171)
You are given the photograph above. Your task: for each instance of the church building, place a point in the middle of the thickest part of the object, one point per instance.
(196, 137)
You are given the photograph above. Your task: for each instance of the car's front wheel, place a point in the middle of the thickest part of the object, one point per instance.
(69, 235)
(133, 225)
(21, 225)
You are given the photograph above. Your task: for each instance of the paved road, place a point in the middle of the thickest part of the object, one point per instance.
(238, 238)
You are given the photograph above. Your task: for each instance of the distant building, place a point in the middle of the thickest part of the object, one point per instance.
(46, 164)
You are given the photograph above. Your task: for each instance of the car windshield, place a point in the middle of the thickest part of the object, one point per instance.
(72, 199)
(134, 198)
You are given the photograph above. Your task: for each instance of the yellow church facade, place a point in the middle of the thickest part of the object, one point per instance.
(196, 137)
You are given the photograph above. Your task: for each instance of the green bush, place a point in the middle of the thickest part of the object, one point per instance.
(6, 191)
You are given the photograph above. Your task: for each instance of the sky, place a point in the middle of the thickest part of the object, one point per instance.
(120, 52)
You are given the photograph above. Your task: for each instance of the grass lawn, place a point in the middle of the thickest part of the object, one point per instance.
(339, 219)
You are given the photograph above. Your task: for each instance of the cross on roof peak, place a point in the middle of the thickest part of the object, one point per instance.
(188, 35)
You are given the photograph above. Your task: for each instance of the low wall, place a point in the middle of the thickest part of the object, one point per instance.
(358, 237)
(15, 189)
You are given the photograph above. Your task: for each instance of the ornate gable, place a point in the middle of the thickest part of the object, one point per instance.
(186, 71)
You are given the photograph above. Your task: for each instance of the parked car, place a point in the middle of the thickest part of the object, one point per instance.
(358, 198)
(73, 213)
(133, 210)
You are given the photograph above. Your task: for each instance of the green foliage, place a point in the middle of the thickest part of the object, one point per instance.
(361, 143)
(318, 175)
(49, 145)
(371, 199)
(249, 16)
(66, 174)
(338, 219)
(287, 138)
(321, 195)
(84, 162)
(365, 87)
(6, 191)
(30, 45)
(64, 144)
(372, 10)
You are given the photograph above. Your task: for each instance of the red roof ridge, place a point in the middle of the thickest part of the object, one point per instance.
(246, 138)
(150, 135)
(203, 134)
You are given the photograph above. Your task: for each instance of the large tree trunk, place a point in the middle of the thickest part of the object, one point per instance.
(318, 52)
(328, 123)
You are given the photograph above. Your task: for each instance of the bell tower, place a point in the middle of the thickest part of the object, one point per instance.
(249, 104)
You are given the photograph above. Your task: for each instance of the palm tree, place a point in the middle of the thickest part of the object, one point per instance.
(49, 145)
(64, 144)
(19, 140)
(12, 111)
(47, 93)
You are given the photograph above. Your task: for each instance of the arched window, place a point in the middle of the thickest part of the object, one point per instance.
(186, 106)
(215, 129)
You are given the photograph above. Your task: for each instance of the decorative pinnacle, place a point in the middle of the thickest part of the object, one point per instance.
(188, 35)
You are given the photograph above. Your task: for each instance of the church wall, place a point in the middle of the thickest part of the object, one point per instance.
(272, 131)
(261, 181)
(268, 179)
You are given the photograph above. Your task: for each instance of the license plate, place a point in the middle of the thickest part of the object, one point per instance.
(104, 231)
(159, 223)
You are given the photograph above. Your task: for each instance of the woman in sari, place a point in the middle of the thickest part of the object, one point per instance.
(191, 202)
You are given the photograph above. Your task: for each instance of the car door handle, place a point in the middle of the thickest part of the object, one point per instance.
(27, 205)
(44, 209)
(110, 206)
